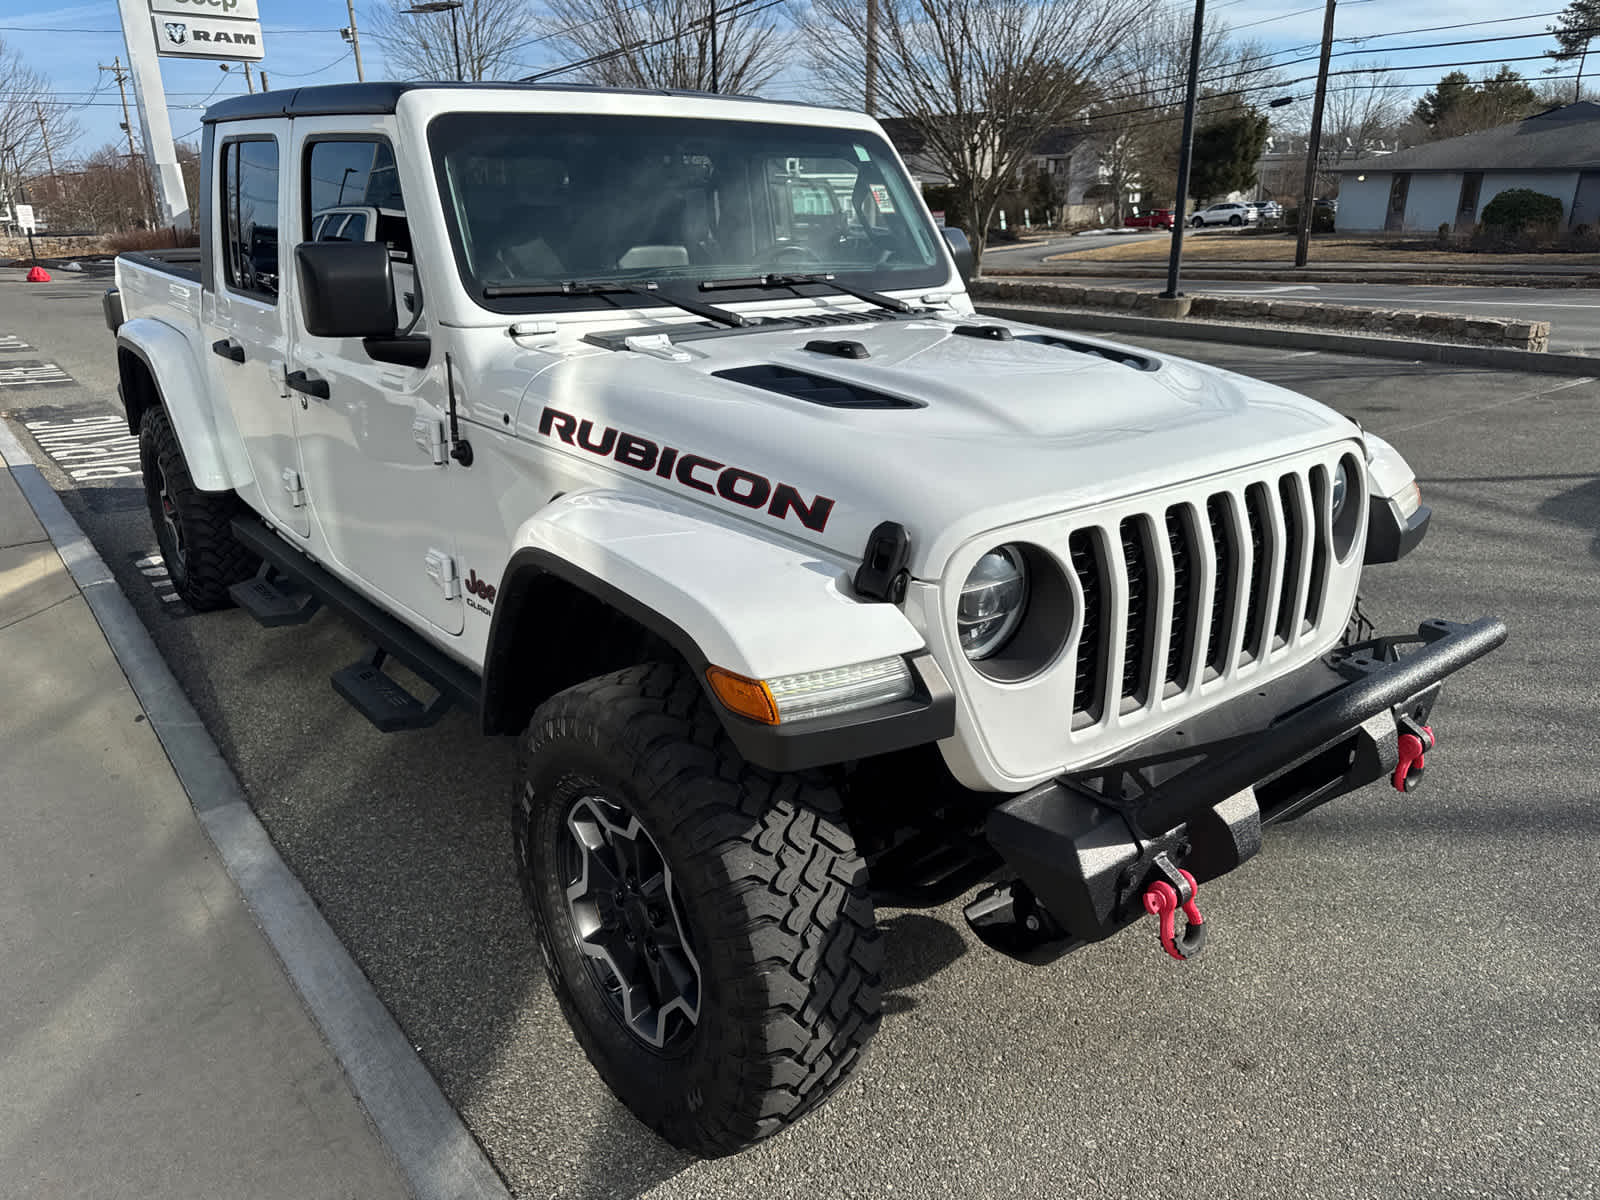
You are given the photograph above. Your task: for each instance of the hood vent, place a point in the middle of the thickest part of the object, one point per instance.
(1137, 361)
(814, 389)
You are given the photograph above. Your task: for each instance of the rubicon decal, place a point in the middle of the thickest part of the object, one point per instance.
(696, 471)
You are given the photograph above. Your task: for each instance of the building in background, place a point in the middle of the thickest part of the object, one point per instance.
(1449, 182)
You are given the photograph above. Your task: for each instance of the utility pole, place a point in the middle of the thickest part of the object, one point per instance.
(249, 83)
(872, 58)
(1314, 145)
(1185, 151)
(120, 72)
(355, 39)
(264, 87)
(49, 158)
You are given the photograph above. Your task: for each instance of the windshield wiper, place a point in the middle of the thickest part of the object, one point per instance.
(789, 281)
(618, 287)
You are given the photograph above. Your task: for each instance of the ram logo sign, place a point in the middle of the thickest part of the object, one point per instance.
(207, 36)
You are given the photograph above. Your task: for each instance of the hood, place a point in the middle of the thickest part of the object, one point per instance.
(910, 420)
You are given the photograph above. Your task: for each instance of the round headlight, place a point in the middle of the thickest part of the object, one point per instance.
(993, 600)
(1341, 487)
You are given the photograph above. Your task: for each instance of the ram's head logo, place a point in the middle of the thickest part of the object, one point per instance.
(177, 32)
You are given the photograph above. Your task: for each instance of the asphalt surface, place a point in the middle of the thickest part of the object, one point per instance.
(1399, 995)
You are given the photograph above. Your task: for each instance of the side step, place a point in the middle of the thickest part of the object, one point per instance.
(382, 700)
(374, 694)
(273, 599)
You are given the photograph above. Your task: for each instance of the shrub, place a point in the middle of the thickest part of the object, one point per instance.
(1516, 209)
(152, 239)
(1321, 219)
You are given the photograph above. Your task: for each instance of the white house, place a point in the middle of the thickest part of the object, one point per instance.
(1449, 182)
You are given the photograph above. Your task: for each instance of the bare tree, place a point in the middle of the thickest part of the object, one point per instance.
(418, 45)
(1137, 123)
(1362, 115)
(34, 128)
(981, 81)
(668, 43)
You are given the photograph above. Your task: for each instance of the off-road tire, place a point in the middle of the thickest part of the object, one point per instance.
(211, 560)
(773, 895)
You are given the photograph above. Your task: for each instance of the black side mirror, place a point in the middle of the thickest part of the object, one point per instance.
(346, 289)
(961, 251)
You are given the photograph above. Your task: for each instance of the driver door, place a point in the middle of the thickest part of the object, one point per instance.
(370, 432)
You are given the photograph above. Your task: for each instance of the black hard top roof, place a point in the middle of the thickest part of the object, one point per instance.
(364, 98)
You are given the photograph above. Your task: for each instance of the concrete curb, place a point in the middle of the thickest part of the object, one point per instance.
(1068, 265)
(423, 1133)
(1451, 354)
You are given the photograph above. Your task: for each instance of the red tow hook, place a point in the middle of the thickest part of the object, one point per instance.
(1162, 900)
(1414, 744)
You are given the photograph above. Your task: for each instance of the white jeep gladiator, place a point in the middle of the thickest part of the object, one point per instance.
(658, 430)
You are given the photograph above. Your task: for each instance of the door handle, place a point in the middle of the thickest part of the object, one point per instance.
(229, 349)
(301, 382)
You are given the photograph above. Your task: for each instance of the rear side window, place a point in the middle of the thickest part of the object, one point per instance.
(250, 217)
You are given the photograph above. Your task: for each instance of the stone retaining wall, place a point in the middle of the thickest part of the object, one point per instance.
(46, 246)
(1508, 333)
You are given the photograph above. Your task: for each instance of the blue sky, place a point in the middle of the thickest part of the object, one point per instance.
(303, 47)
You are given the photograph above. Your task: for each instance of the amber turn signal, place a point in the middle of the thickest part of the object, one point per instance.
(747, 697)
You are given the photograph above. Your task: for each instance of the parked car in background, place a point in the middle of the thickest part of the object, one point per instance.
(1270, 210)
(1229, 212)
(1156, 218)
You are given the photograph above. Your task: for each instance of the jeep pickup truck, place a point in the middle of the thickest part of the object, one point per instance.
(658, 431)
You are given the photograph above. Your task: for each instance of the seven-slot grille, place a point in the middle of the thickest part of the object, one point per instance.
(1207, 588)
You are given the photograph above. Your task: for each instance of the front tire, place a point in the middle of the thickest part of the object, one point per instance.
(706, 925)
(193, 528)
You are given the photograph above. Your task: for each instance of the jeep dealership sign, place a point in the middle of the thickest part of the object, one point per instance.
(207, 29)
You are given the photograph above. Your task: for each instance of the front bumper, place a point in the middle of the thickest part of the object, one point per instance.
(1084, 848)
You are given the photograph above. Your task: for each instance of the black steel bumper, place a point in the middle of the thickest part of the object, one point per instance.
(1085, 847)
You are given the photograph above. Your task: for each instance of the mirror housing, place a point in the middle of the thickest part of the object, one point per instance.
(346, 289)
(961, 251)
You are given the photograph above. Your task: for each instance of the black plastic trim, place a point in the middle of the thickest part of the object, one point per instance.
(1390, 537)
(927, 717)
(412, 350)
(389, 633)
(370, 99)
(111, 306)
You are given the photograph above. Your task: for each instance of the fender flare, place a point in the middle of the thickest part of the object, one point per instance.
(786, 613)
(180, 387)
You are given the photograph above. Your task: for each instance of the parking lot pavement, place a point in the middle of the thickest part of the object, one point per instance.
(1398, 998)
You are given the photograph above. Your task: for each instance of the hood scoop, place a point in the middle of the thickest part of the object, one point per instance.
(1137, 361)
(814, 389)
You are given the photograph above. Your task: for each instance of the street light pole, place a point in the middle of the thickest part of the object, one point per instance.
(1185, 151)
(451, 7)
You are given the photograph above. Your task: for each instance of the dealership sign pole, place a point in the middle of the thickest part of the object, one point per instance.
(210, 29)
(172, 202)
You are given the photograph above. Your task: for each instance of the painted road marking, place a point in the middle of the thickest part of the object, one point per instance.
(154, 568)
(10, 341)
(88, 448)
(31, 373)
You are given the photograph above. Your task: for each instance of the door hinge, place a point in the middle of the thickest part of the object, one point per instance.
(441, 569)
(292, 485)
(428, 433)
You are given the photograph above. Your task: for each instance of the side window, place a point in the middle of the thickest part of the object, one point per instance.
(250, 216)
(352, 194)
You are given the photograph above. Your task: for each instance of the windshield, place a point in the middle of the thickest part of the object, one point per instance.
(543, 199)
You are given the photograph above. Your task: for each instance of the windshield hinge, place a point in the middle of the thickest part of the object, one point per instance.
(656, 345)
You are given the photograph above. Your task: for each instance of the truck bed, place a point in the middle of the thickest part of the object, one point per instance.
(183, 262)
